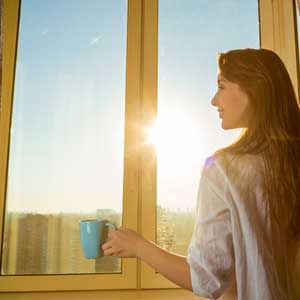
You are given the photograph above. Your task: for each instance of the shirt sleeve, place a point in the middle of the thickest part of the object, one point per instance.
(210, 253)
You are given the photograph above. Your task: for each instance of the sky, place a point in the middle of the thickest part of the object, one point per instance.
(67, 140)
(191, 33)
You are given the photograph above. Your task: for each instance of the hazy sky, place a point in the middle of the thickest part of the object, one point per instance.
(191, 33)
(68, 115)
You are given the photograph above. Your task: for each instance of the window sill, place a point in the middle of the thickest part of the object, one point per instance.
(162, 294)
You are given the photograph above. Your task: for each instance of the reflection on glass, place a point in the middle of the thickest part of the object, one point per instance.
(66, 151)
(188, 130)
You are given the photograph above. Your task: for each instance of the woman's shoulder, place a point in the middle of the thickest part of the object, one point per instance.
(215, 166)
(238, 174)
(226, 158)
(232, 165)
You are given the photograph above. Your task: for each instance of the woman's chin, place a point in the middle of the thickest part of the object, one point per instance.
(227, 126)
(224, 125)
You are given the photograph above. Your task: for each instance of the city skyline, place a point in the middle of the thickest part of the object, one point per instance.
(50, 243)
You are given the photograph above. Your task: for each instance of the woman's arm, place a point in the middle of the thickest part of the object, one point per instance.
(128, 243)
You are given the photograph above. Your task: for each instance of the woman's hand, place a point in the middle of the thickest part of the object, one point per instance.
(128, 243)
(123, 243)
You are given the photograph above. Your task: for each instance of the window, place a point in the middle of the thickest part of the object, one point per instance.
(80, 103)
(67, 142)
(188, 129)
(64, 124)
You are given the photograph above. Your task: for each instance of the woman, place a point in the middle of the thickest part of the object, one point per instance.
(246, 238)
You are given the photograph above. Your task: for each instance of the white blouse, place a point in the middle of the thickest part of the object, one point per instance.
(231, 254)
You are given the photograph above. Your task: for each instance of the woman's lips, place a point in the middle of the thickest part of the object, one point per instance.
(220, 112)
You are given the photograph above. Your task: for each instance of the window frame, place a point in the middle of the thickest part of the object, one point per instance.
(277, 30)
(278, 33)
(126, 279)
(297, 26)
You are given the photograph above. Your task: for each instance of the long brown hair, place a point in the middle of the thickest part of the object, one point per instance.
(273, 130)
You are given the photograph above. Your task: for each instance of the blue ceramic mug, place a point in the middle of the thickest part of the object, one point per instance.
(92, 236)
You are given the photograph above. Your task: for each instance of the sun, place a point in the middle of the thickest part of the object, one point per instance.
(173, 134)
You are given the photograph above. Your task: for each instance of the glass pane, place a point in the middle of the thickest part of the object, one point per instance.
(66, 150)
(191, 33)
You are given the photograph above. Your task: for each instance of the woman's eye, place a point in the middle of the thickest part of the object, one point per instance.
(221, 87)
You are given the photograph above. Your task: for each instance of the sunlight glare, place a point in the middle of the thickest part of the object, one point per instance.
(173, 134)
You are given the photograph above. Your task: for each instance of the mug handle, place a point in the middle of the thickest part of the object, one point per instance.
(112, 226)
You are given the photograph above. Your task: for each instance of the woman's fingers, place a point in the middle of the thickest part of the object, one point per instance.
(109, 252)
(108, 249)
(122, 242)
(106, 245)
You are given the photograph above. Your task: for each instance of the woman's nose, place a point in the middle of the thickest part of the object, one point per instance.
(214, 101)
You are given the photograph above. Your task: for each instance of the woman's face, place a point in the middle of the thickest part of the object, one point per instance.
(232, 104)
